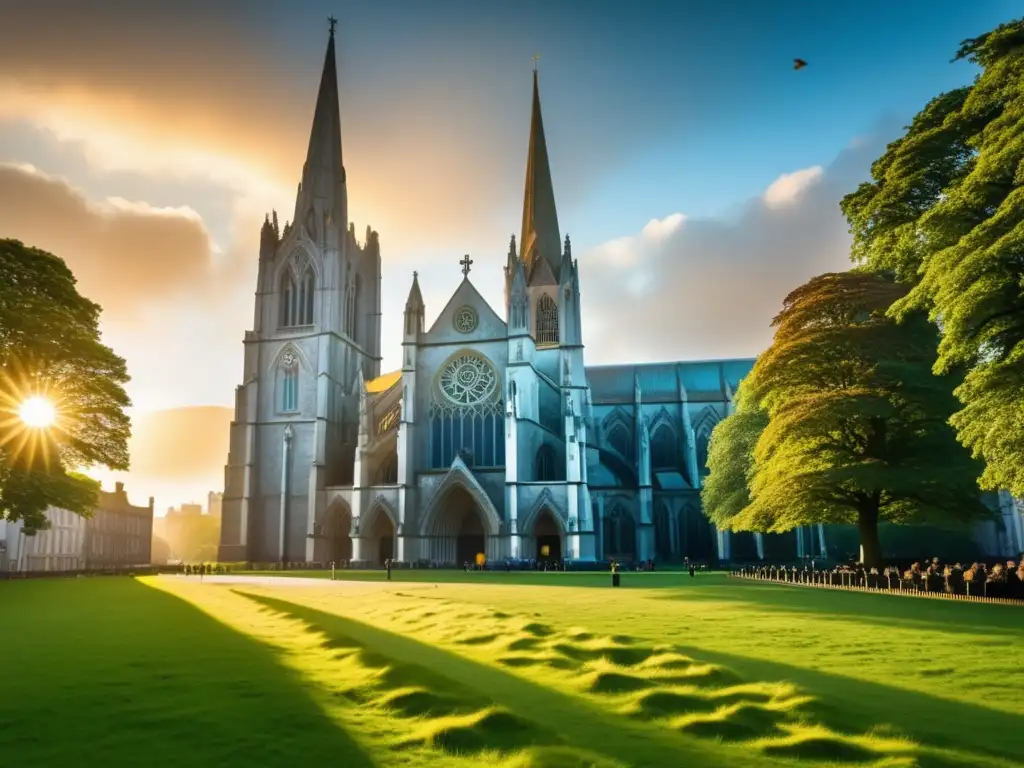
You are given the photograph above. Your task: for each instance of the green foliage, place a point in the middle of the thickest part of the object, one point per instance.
(945, 214)
(50, 344)
(857, 424)
(725, 493)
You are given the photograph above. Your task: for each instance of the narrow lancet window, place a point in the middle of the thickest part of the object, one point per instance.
(308, 287)
(289, 382)
(287, 299)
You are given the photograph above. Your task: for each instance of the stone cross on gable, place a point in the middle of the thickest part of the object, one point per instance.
(466, 264)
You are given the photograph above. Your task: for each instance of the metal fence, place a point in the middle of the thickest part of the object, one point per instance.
(935, 587)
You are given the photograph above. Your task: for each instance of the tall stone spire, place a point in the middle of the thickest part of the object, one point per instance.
(323, 174)
(540, 238)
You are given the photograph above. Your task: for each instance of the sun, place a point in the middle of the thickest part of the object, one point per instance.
(37, 412)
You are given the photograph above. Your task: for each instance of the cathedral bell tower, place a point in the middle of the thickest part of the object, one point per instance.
(315, 334)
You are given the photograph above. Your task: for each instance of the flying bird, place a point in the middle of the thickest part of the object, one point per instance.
(799, 63)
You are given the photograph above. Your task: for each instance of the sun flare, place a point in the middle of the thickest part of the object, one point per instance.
(37, 412)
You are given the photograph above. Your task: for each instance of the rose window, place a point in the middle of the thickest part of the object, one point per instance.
(468, 380)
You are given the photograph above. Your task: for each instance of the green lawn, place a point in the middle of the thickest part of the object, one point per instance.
(510, 670)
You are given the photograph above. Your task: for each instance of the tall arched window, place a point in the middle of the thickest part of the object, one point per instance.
(467, 416)
(619, 534)
(546, 465)
(664, 451)
(288, 299)
(289, 382)
(309, 282)
(547, 321)
(619, 439)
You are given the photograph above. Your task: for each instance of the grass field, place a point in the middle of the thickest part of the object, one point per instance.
(510, 670)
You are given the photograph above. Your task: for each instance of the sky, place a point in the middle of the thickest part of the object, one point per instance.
(697, 173)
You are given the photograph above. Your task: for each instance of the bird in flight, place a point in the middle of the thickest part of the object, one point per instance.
(799, 63)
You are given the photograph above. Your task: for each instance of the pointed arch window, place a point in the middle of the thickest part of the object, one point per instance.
(619, 534)
(546, 465)
(468, 413)
(289, 380)
(664, 450)
(306, 292)
(547, 321)
(288, 299)
(619, 440)
(296, 298)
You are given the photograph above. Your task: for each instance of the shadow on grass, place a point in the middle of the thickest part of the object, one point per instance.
(911, 612)
(846, 704)
(515, 712)
(108, 671)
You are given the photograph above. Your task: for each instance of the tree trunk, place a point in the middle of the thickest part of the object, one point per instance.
(867, 525)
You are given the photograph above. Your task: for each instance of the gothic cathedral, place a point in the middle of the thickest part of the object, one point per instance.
(493, 437)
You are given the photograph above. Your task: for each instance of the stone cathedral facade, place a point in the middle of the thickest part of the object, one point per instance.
(494, 436)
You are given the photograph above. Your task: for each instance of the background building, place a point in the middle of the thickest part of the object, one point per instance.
(117, 536)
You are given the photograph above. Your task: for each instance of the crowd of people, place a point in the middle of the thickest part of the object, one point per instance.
(999, 580)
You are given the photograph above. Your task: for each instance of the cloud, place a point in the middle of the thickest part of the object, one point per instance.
(126, 255)
(686, 288)
(789, 187)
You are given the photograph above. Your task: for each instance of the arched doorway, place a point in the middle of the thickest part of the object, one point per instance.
(379, 538)
(458, 533)
(337, 530)
(548, 538)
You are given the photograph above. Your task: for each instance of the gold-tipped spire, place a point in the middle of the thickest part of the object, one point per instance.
(540, 239)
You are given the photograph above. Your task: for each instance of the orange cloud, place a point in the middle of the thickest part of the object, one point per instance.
(145, 92)
(123, 254)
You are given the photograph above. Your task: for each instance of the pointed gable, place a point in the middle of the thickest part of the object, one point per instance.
(485, 322)
(541, 273)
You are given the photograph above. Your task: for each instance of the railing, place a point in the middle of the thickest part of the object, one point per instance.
(935, 587)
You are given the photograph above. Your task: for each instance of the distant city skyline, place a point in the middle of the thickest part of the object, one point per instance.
(693, 167)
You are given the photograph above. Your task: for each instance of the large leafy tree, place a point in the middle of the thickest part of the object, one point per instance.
(725, 493)
(857, 424)
(944, 212)
(50, 346)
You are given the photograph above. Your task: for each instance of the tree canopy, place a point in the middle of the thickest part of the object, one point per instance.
(853, 423)
(726, 490)
(50, 346)
(944, 213)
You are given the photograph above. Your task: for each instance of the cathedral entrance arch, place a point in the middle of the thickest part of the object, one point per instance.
(459, 521)
(378, 534)
(458, 533)
(547, 534)
(337, 530)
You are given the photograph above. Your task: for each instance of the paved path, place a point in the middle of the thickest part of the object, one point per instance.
(266, 581)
